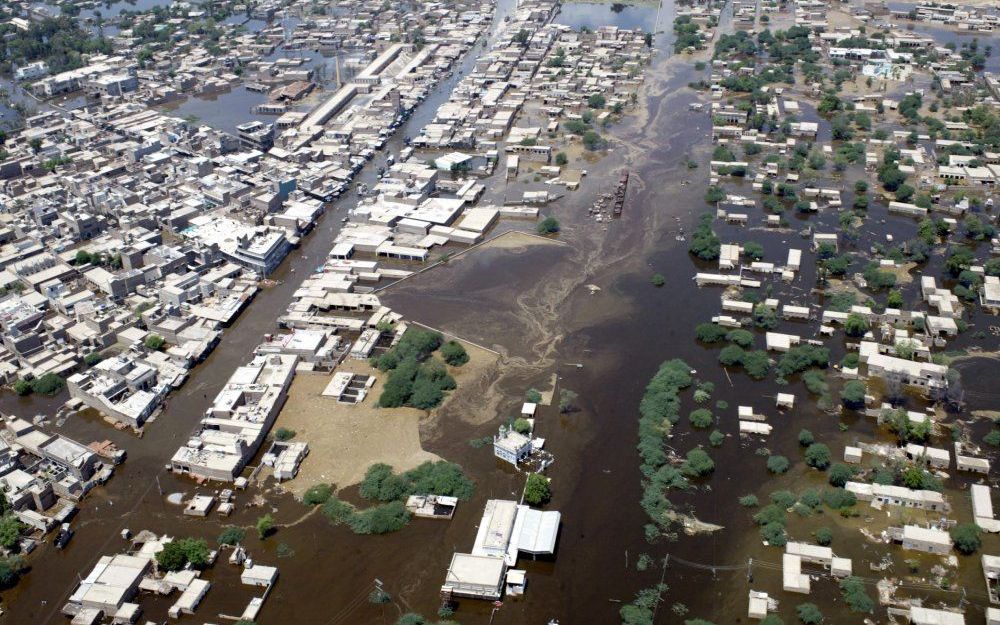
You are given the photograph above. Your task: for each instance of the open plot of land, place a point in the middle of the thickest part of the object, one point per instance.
(344, 439)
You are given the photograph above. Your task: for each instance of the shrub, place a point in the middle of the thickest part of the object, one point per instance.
(774, 534)
(381, 484)
(802, 357)
(757, 364)
(232, 536)
(838, 498)
(178, 553)
(265, 526)
(749, 501)
(658, 279)
(716, 438)
(853, 394)
(522, 426)
(454, 354)
(380, 519)
(710, 333)
(549, 225)
(49, 384)
(824, 536)
(536, 489)
(840, 474)
(743, 338)
(561, 159)
(284, 434)
(783, 498)
(92, 358)
(808, 613)
(22, 387)
(806, 437)
(154, 342)
(701, 418)
(966, 538)
(777, 464)
(533, 396)
(698, 463)
(731, 355)
(853, 590)
(317, 494)
(818, 456)
(855, 325)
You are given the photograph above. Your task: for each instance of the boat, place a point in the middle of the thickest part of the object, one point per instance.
(620, 192)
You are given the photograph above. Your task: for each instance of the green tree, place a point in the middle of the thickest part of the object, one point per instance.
(265, 526)
(522, 426)
(561, 159)
(698, 463)
(853, 394)
(284, 434)
(701, 418)
(853, 590)
(806, 437)
(966, 537)
(536, 489)
(154, 342)
(317, 494)
(49, 384)
(856, 325)
(777, 464)
(232, 536)
(824, 536)
(818, 456)
(10, 531)
(549, 225)
(454, 354)
(808, 613)
(22, 387)
(840, 474)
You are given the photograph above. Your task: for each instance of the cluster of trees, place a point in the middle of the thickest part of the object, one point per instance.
(415, 378)
(58, 41)
(49, 384)
(687, 34)
(704, 243)
(658, 411)
(388, 492)
(549, 225)
(536, 489)
(182, 552)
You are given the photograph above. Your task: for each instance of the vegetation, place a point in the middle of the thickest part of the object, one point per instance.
(701, 418)
(658, 279)
(232, 536)
(808, 613)
(704, 243)
(284, 434)
(154, 342)
(536, 489)
(317, 494)
(265, 526)
(179, 553)
(818, 456)
(430, 478)
(966, 538)
(853, 394)
(853, 590)
(659, 410)
(415, 378)
(454, 354)
(698, 463)
(777, 464)
(549, 225)
(824, 536)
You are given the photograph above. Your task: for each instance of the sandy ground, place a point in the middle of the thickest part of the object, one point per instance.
(344, 440)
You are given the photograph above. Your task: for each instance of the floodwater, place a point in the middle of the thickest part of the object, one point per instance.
(535, 303)
(585, 15)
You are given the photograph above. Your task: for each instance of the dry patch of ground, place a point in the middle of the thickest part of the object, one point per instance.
(344, 440)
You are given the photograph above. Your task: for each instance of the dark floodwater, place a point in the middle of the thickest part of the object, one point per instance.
(593, 16)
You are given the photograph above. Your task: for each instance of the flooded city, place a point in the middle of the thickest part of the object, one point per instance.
(500, 311)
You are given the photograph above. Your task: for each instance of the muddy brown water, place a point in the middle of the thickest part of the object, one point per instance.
(534, 303)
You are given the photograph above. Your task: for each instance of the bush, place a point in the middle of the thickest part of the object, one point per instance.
(853, 394)
(777, 464)
(381, 484)
(154, 342)
(806, 437)
(561, 159)
(838, 498)
(704, 243)
(178, 553)
(658, 280)
(783, 498)
(265, 526)
(749, 501)
(757, 364)
(92, 358)
(380, 519)
(731, 355)
(818, 456)
(743, 338)
(317, 494)
(774, 534)
(284, 434)
(698, 463)
(802, 357)
(853, 590)
(22, 387)
(454, 354)
(49, 384)
(533, 396)
(966, 538)
(808, 613)
(536, 489)
(824, 536)
(840, 474)
(716, 438)
(710, 333)
(232, 536)
(522, 426)
(549, 225)
(701, 418)
(772, 619)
